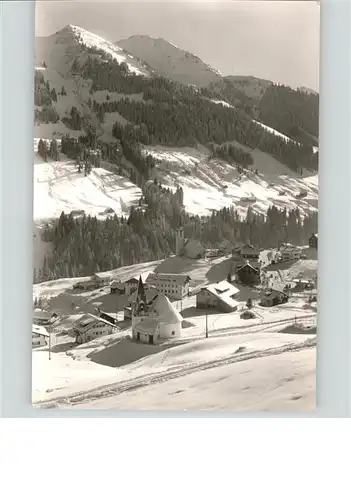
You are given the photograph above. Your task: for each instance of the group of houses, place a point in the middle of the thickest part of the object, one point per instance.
(148, 303)
(193, 249)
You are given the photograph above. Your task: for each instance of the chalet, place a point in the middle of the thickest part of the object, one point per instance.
(130, 286)
(40, 336)
(90, 327)
(117, 287)
(44, 317)
(175, 286)
(219, 296)
(290, 253)
(91, 283)
(188, 248)
(246, 252)
(313, 241)
(155, 321)
(273, 298)
(248, 274)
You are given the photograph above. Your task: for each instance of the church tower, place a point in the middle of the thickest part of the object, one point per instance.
(179, 240)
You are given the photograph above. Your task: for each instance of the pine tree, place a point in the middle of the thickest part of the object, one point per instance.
(53, 95)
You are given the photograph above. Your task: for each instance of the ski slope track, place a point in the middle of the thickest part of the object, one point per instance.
(147, 380)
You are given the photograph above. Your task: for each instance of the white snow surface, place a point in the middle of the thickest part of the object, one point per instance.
(285, 382)
(213, 184)
(59, 187)
(94, 385)
(223, 103)
(91, 40)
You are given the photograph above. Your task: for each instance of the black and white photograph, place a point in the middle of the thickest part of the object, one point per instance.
(175, 205)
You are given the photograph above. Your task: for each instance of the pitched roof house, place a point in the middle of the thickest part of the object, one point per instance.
(219, 295)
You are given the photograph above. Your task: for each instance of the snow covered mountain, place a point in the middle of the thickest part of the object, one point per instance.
(60, 49)
(171, 61)
(57, 188)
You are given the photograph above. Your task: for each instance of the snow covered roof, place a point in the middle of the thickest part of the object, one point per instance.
(148, 325)
(165, 311)
(224, 291)
(179, 279)
(40, 330)
(39, 314)
(247, 264)
(87, 321)
(132, 280)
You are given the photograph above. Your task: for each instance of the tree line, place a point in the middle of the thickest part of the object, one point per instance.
(83, 246)
(172, 114)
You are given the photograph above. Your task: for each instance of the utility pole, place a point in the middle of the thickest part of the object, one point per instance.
(206, 326)
(49, 345)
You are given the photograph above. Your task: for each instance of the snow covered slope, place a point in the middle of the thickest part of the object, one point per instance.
(211, 184)
(285, 382)
(171, 61)
(200, 361)
(59, 50)
(59, 187)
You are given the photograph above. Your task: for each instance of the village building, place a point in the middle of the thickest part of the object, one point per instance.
(212, 253)
(44, 317)
(302, 285)
(109, 317)
(117, 287)
(219, 296)
(188, 248)
(273, 298)
(175, 286)
(246, 252)
(40, 336)
(313, 241)
(130, 286)
(90, 327)
(154, 321)
(248, 274)
(290, 253)
(91, 283)
(150, 295)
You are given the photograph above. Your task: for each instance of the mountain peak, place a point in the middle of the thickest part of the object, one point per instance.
(169, 60)
(72, 36)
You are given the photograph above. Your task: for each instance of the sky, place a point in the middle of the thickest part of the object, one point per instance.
(276, 40)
